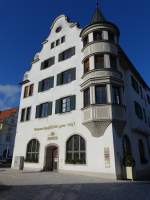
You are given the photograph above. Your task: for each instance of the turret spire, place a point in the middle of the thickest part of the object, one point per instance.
(98, 16)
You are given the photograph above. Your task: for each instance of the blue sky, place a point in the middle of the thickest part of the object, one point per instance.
(24, 24)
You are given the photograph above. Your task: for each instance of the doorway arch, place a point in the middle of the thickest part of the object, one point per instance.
(51, 158)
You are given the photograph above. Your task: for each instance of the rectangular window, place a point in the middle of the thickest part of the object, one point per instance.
(66, 54)
(44, 110)
(22, 114)
(86, 94)
(25, 114)
(99, 61)
(100, 94)
(65, 104)
(63, 39)
(85, 40)
(46, 84)
(57, 42)
(145, 116)
(97, 35)
(66, 76)
(26, 90)
(148, 99)
(116, 95)
(113, 61)
(31, 90)
(135, 84)
(86, 66)
(28, 113)
(52, 45)
(138, 110)
(111, 37)
(47, 63)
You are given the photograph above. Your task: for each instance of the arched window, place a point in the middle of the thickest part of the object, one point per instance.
(32, 154)
(76, 150)
(142, 152)
(126, 146)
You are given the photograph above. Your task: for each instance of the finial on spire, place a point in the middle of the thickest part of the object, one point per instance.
(98, 16)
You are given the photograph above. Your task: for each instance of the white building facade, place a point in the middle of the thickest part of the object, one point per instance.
(83, 105)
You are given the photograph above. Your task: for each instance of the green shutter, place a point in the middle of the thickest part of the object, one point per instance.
(58, 106)
(73, 74)
(50, 108)
(42, 65)
(60, 57)
(40, 86)
(73, 51)
(59, 79)
(37, 111)
(73, 102)
(51, 82)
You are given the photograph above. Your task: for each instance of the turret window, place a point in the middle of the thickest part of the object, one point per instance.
(85, 40)
(100, 94)
(99, 61)
(86, 94)
(111, 37)
(97, 35)
(86, 66)
(113, 61)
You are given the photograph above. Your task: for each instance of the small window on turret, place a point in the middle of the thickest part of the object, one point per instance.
(97, 35)
(86, 66)
(113, 61)
(85, 40)
(99, 61)
(111, 37)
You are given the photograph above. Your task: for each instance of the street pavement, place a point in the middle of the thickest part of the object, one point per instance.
(15, 185)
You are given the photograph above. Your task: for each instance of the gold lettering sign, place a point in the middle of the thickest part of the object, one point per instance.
(54, 126)
(52, 138)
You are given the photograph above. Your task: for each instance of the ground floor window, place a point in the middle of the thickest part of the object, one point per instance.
(76, 150)
(32, 154)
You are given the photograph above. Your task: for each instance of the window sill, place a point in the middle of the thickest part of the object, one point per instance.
(65, 83)
(31, 162)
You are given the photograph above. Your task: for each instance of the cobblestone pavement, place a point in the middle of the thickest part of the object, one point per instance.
(16, 185)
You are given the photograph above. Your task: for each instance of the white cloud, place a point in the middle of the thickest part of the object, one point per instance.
(9, 96)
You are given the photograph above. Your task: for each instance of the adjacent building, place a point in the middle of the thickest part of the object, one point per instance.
(83, 106)
(8, 124)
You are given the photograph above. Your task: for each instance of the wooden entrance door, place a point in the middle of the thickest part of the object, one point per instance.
(51, 162)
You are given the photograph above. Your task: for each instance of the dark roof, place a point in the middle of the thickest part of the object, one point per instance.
(98, 16)
(7, 113)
